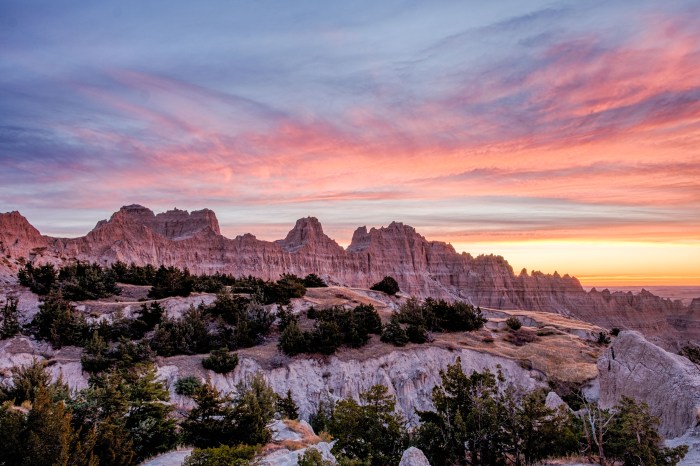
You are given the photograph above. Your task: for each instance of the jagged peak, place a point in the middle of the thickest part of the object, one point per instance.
(307, 230)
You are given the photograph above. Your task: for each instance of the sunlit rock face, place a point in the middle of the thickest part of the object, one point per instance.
(422, 268)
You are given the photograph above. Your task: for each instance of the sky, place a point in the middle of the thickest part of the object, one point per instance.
(563, 135)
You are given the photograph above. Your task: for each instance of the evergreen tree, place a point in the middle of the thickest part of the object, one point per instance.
(10, 322)
(634, 439)
(387, 285)
(393, 333)
(369, 430)
(286, 406)
(314, 281)
(95, 357)
(252, 410)
(59, 323)
(149, 420)
(325, 338)
(208, 423)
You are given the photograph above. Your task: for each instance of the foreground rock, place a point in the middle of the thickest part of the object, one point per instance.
(668, 383)
(413, 457)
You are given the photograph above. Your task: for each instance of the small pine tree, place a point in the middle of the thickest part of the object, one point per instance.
(221, 361)
(293, 340)
(393, 333)
(10, 322)
(286, 406)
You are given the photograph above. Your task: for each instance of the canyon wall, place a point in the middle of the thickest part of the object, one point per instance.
(423, 268)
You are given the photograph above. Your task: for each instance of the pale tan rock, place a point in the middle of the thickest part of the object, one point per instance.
(668, 383)
(413, 457)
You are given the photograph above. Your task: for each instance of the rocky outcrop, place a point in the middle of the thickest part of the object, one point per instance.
(413, 457)
(294, 438)
(668, 383)
(409, 374)
(422, 268)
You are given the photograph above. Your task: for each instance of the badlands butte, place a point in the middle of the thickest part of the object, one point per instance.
(565, 321)
(422, 268)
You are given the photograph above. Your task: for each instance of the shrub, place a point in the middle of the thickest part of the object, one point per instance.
(393, 333)
(416, 334)
(224, 455)
(326, 337)
(187, 386)
(513, 323)
(59, 323)
(83, 281)
(313, 457)
(41, 280)
(221, 361)
(314, 281)
(615, 331)
(520, 337)
(603, 338)
(441, 316)
(171, 281)
(293, 340)
(387, 285)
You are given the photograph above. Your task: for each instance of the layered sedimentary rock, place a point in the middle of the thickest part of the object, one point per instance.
(409, 374)
(422, 268)
(668, 383)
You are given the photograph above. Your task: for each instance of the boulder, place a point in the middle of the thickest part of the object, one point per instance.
(413, 457)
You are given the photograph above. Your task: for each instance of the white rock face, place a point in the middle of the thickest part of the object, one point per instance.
(413, 457)
(554, 401)
(668, 383)
(22, 351)
(410, 375)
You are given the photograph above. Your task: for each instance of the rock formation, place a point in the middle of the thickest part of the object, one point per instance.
(422, 268)
(668, 383)
(413, 457)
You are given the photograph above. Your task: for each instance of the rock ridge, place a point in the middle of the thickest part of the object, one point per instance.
(422, 268)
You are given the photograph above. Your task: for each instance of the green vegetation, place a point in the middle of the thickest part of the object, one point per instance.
(333, 327)
(225, 455)
(221, 361)
(430, 315)
(370, 430)
(82, 281)
(76, 282)
(314, 281)
(441, 316)
(513, 323)
(59, 323)
(9, 319)
(187, 386)
(313, 457)
(220, 420)
(387, 285)
(124, 416)
(286, 406)
(394, 333)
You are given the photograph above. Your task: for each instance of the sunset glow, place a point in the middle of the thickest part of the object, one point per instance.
(562, 135)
